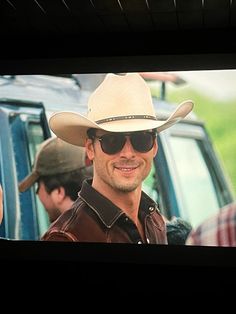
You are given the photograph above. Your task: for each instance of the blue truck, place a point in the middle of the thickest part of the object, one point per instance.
(187, 178)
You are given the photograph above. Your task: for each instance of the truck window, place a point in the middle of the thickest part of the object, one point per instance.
(35, 138)
(199, 195)
(27, 134)
(186, 179)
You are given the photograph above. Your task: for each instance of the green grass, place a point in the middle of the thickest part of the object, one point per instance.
(220, 119)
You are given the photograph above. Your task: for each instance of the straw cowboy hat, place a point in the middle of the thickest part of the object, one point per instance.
(121, 103)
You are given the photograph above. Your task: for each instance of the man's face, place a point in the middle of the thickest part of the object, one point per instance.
(124, 170)
(47, 201)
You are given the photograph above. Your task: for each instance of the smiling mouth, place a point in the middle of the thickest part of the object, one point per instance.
(126, 169)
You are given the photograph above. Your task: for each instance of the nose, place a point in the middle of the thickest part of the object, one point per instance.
(127, 150)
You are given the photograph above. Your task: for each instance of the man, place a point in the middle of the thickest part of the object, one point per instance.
(217, 230)
(59, 170)
(119, 134)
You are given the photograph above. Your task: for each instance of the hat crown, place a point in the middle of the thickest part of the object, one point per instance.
(121, 103)
(56, 156)
(120, 95)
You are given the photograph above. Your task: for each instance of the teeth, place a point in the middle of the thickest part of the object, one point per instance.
(126, 169)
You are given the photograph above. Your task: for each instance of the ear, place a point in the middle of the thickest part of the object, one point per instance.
(89, 149)
(58, 195)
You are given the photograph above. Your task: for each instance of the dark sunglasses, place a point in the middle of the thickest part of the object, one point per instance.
(113, 143)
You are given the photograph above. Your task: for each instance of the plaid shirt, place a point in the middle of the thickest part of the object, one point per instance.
(218, 230)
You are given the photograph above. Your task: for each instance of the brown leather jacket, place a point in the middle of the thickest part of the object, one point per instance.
(94, 218)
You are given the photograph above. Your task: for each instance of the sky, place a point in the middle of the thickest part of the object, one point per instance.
(220, 84)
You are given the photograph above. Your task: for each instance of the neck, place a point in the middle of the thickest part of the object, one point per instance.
(128, 202)
(66, 204)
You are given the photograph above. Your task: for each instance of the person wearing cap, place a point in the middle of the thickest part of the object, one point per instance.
(59, 169)
(119, 133)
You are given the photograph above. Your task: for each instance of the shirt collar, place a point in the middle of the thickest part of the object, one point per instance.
(106, 210)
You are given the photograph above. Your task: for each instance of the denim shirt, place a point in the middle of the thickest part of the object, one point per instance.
(94, 218)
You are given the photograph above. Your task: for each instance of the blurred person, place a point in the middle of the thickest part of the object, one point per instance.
(59, 170)
(217, 230)
(119, 133)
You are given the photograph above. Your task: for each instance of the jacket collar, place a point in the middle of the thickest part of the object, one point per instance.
(106, 210)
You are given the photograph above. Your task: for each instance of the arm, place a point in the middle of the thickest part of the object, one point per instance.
(54, 235)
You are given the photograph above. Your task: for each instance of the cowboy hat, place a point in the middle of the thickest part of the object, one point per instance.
(121, 103)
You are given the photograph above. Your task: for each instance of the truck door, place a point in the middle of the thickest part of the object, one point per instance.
(24, 126)
(187, 179)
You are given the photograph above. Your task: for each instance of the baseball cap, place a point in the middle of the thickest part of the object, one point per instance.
(56, 156)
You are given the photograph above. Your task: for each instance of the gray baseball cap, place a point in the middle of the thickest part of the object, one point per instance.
(56, 157)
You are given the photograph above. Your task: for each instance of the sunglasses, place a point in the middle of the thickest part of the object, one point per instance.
(113, 143)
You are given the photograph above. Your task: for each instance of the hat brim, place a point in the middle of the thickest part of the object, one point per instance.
(72, 127)
(28, 181)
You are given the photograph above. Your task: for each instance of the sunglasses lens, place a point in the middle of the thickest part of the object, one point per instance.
(112, 143)
(142, 141)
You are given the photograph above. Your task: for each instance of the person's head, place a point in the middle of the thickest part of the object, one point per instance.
(59, 170)
(121, 160)
(178, 230)
(119, 131)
